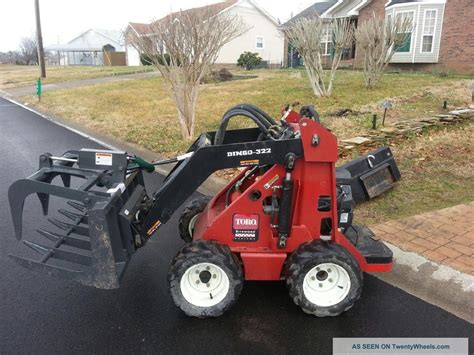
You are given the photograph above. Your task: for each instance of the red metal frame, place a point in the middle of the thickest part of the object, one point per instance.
(314, 175)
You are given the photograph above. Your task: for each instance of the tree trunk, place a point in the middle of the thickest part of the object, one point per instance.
(186, 100)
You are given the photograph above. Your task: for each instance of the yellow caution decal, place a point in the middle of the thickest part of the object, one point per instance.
(249, 162)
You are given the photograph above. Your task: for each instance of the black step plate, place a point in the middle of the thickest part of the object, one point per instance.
(374, 251)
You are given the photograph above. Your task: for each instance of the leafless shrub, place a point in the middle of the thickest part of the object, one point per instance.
(379, 39)
(307, 36)
(183, 46)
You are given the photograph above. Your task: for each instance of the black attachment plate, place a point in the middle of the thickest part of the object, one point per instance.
(371, 175)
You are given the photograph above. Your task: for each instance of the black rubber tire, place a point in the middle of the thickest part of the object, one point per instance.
(193, 208)
(204, 251)
(309, 255)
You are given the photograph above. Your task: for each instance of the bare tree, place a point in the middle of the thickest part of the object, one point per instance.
(183, 46)
(379, 39)
(28, 50)
(307, 36)
(10, 57)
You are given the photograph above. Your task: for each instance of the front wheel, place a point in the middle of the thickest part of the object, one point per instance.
(323, 279)
(205, 279)
(189, 217)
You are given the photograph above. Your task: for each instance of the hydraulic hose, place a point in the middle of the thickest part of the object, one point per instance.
(262, 124)
(256, 111)
(260, 117)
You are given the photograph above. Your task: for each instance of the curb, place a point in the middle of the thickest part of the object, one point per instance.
(437, 284)
(440, 285)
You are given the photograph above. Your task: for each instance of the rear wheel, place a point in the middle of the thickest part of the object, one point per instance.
(190, 215)
(205, 279)
(323, 279)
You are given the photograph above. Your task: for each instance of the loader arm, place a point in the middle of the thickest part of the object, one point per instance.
(189, 174)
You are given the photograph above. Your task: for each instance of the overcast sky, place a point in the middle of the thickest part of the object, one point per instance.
(62, 20)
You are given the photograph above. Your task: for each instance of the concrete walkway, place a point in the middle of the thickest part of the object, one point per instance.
(445, 236)
(31, 89)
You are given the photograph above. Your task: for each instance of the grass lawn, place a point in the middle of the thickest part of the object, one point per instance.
(434, 167)
(21, 75)
(437, 172)
(142, 111)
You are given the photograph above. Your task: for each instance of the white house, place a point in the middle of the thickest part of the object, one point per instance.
(262, 36)
(88, 48)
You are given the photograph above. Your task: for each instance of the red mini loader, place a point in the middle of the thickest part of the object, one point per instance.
(286, 216)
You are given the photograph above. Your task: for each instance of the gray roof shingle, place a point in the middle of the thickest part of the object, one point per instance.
(393, 2)
(316, 9)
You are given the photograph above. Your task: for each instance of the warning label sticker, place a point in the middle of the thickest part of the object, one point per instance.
(103, 159)
(245, 227)
(249, 162)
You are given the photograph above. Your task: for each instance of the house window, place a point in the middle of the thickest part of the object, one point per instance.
(259, 43)
(326, 41)
(429, 24)
(401, 17)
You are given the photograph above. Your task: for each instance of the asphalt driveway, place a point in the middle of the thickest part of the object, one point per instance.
(39, 314)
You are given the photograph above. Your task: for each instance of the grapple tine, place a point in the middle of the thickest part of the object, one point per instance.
(77, 242)
(57, 271)
(70, 228)
(60, 224)
(71, 257)
(60, 254)
(38, 248)
(50, 235)
(66, 239)
(78, 206)
(71, 215)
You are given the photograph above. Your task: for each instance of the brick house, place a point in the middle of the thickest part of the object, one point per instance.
(441, 38)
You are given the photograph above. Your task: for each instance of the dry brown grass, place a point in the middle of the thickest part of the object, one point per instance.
(436, 168)
(437, 172)
(142, 111)
(21, 75)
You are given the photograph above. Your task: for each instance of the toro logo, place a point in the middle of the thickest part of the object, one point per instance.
(245, 227)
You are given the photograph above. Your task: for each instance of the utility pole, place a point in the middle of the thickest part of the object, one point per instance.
(39, 40)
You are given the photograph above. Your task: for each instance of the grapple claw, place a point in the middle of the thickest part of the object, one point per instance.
(66, 180)
(44, 200)
(100, 240)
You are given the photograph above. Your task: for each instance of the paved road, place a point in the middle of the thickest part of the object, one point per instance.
(43, 315)
(31, 89)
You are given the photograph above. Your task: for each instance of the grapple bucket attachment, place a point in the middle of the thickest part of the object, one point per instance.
(97, 233)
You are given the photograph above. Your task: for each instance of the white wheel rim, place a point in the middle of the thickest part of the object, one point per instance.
(326, 284)
(192, 223)
(204, 285)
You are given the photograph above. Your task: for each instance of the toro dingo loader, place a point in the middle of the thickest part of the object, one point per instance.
(286, 216)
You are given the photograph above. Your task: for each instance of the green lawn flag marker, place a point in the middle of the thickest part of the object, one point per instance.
(38, 89)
